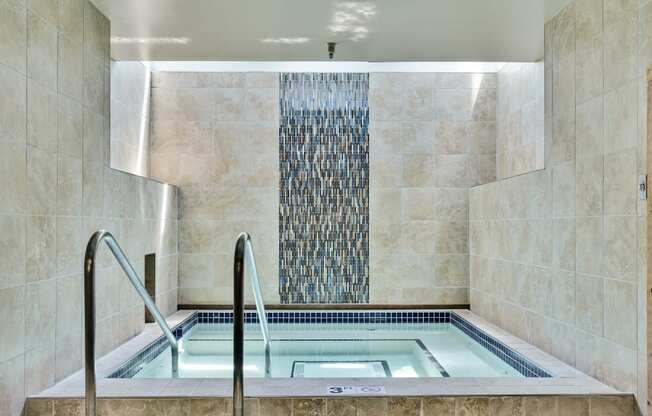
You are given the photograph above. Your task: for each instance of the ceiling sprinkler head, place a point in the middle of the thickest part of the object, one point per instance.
(331, 50)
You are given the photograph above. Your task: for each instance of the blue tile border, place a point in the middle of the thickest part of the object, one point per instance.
(136, 363)
(514, 359)
(329, 317)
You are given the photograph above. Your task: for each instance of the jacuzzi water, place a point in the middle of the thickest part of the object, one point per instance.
(333, 350)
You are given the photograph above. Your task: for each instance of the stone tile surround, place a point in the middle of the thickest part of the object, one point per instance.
(56, 188)
(349, 406)
(569, 241)
(432, 136)
(215, 136)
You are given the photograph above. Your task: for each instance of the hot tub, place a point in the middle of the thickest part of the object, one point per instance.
(334, 344)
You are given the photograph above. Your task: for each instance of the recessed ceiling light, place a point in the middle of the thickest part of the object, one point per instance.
(150, 40)
(286, 41)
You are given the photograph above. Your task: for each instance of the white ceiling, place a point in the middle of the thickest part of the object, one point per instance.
(298, 30)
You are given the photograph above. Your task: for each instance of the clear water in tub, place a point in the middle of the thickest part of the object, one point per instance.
(333, 350)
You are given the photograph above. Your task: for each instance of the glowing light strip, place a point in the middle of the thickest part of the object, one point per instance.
(150, 40)
(320, 66)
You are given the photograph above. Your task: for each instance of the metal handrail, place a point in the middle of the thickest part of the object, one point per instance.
(89, 310)
(244, 252)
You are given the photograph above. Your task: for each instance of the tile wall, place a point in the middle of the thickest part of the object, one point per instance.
(352, 406)
(558, 256)
(215, 136)
(130, 109)
(432, 136)
(56, 188)
(520, 119)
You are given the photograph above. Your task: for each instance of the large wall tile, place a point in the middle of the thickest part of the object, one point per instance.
(93, 82)
(39, 368)
(96, 32)
(13, 177)
(40, 259)
(40, 306)
(71, 17)
(563, 36)
(620, 183)
(417, 204)
(70, 127)
(563, 138)
(620, 313)
(12, 386)
(41, 181)
(13, 32)
(70, 69)
(229, 104)
(563, 292)
(42, 115)
(589, 68)
(192, 104)
(11, 307)
(14, 104)
(589, 186)
(564, 243)
(69, 245)
(590, 244)
(69, 186)
(13, 249)
(590, 128)
(47, 9)
(519, 119)
(620, 47)
(620, 247)
(588, 20)
(620, 118)
(41, 51)
(563, 190)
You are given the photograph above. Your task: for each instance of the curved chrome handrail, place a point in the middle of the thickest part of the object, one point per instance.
(89, 311)
(244, 253)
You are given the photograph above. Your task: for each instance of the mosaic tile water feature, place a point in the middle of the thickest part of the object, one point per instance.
(324, 188)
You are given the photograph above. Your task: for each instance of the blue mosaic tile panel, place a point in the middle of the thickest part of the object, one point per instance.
(517, 361)
(324, 188)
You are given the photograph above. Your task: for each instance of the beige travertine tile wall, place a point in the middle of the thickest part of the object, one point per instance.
(215, 136)
(432, 136)
(56, 188)
(558, 256)
(130, 109)
(520, 119)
